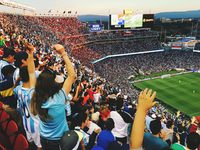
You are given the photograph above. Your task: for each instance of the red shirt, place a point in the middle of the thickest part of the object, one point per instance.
(90, 92)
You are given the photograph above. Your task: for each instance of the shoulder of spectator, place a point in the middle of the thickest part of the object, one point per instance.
(126, 116)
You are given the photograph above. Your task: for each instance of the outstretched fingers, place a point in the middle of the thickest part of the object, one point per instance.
(153, 96)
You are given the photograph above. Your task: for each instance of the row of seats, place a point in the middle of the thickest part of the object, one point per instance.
(10, 136)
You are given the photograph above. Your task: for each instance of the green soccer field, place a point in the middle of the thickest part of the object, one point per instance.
(181, 92)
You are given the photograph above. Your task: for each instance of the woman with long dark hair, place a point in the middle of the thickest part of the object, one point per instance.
(48, 102)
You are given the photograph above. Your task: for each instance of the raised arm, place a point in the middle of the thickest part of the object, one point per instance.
(145, 102)
(68, 65)
(31, 65)
(75, 98)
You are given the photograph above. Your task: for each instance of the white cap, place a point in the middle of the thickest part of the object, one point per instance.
(59, 79)
(95, 116)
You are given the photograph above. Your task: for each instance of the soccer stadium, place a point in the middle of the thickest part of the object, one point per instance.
(127, 80)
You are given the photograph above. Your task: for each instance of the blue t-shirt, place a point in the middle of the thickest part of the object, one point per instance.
(55, 127)
(151, 142)
(105, 138)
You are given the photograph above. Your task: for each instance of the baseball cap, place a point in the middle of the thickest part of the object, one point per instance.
(71, 140)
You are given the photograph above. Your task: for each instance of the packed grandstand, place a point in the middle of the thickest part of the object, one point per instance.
(100, 108)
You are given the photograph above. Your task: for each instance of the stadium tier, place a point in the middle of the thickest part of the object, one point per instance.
(85, 92)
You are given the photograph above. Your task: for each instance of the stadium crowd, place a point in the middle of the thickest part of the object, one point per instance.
(64, 104)
(197, 46)
(119, 69)
(107, 35)
(126, 46)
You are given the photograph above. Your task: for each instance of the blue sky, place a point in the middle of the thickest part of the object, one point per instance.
(113, 6)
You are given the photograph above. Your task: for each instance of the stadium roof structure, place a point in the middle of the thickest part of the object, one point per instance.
(16, 5)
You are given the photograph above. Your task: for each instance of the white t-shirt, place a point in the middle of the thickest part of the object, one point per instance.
(92, 127)
(121, 127)
(96, 97)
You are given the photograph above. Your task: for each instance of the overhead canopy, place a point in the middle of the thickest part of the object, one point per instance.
(16, 5)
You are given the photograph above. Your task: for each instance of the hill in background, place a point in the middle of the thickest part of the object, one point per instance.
(171, 15)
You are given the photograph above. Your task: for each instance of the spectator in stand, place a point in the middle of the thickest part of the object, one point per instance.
(194, 124)
(122, 120)
(106, 137)
(6, 87)
(90, 92)
(182, 133)
(192, 142)
(8, 59)
(2, 39)
(23, 93)
(169, 131)
(86, 98)
(49, 103)
(20, 61)
(81, 121)
(97, 95)
(153, 140)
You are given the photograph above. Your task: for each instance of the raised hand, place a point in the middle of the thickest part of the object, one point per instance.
(193, 119)
(29, 47)
(146, 100)
(59, 48)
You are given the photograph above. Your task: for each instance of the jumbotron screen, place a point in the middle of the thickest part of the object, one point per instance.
(133, 21)
(127, 21)
(117, 20)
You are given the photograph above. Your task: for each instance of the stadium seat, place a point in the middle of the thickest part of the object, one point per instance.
(4, 119)
(3, 140)
(11, 128)
(20, 143)
(3, 115)
(11, 132)
(2, 147)
(1, 105)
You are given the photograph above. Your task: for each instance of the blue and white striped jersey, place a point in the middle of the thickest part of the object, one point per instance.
(30, 121)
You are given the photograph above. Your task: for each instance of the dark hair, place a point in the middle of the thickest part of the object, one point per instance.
(80, 118)
(193, 140)
(23, 73)
(80, 99)
(19, 57)
(7, 52)
(119, 103)
(89, 86)
(155, 126)
(36, 62)
(181, 128)
(169, 124)
(45, 87)
(86, 94)
(109, 124)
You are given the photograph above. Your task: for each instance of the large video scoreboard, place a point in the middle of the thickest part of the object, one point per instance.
(127, 21)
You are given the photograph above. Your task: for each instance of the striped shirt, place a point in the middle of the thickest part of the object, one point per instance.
(3, 63)
(30, 121)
